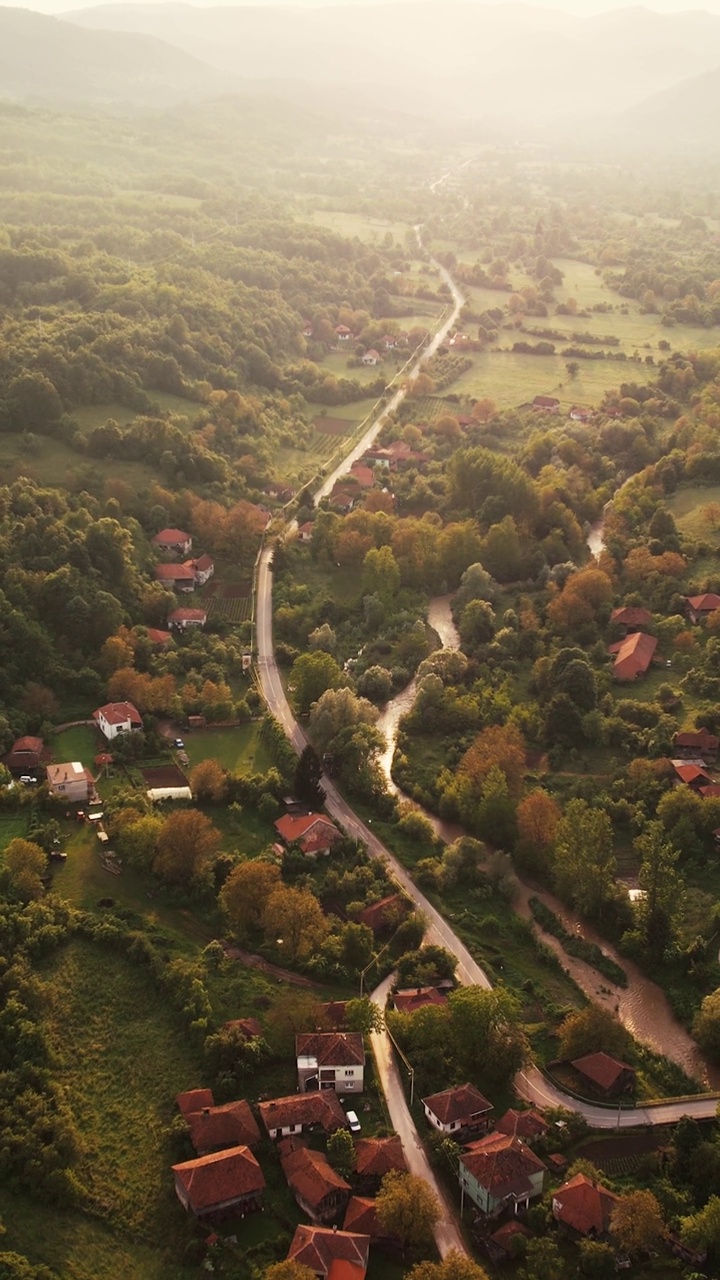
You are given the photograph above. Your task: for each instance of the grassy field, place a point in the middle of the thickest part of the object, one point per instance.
(336, 364)
(82, 742)
(688, 505)
(121, 1057)
(366, 228)
(239, 749)
(89, 416)
(511, 379)
(57, 464)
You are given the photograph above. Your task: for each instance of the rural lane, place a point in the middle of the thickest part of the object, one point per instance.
(447, 1231)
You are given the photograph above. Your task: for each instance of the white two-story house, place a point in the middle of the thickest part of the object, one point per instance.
(331, 1060)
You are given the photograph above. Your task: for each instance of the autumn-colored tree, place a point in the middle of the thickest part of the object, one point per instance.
(294, 919)
(500, 746)
(484, 409)
(407, 1208)
(208, 781)
(127, 685)
(115, 654)
(38, 701)
(454, 1266)
(246, 891)
(584, 594)
(288, 1269)
(186, 844)
(538, 815)
(637, 1222)
(640, 563)
(26, 863)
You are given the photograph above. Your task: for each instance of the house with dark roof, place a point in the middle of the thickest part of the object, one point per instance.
(584, 1207)
(528, 1125)
(331, 1254)
(175, 540)
(283, 1117)
(26, 754)
(330, 1060)
(311, 832)
(412, 998)
(631, 618)
(606, 1074)
(117, 717)
(504, 1244)
(385, 914)
(320, 1192)
(698, 608)
(224, 1183)
(633, 655)
(374, 1157)
(701, 744)
(500, 1172)
(334, 1014)
(203, 568)
(462, 1109)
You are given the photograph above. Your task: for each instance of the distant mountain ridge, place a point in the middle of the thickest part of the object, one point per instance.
(509, 62)
(686, 114)
(45, 58)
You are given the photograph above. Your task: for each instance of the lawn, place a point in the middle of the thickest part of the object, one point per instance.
(688, 505)
(82, 742)
(366, 228)
(336, 364)
(57, 464)
(239, 749)
(13, 826)
(511, 379)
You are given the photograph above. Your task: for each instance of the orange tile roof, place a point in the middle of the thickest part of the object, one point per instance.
(171, 537)
(377, 915)
(118, 713)
(321, 1108)
(361, 1215)
(632, 616)
(374, 1157)
(523, 1124)
(690, 773)
(633, 655)
(460, 1103)
(501, 1164)
(320, 1247)
(195, 1100)
(219, 1179)
(706, 603)
(311, 1176)
(409, 1000)
(230, 1125)
(601, 1068)
(332, 1048)
(584, 1205)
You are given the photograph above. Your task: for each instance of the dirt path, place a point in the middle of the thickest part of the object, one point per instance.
(272, 970)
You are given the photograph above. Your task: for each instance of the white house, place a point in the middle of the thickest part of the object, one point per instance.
(371, 357)
(71, 781)
(116, 718)
(331, 1060)
(284, 1117)
(463, 1107)
(181, 619)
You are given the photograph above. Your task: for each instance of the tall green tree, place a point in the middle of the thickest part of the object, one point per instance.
(308, 774)
(311, 675)
(585, 863)
(659, 911)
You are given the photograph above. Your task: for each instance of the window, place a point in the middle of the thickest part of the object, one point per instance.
(349, 1071)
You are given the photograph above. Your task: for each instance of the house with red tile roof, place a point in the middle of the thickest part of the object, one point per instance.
(361, 1215)
(305, 531)
(158, 637)
(547, 404)
(385, 914)
(194, 1100)
(503, 1244)
(283, 1117)
(460, 1109)
(528, 1125)
(202, 568)
(584, 1207)
(177, 577)
(374, 1157)
(226, 1182)
(330, 1060)
(320, 1192)
(173, 540)
(700, 744)
(335, 1014)
(691, 775)
(117, 717)
(608, 1075)
(633, 655)
(249, 1027)
(631, 617)
(500, 1172)
(330, 1254)
(362, 475)
(700, 607)
(412, 998)
(342, 333)
(181, 619)
(313, 833)
(232, 1124)
(371, 357)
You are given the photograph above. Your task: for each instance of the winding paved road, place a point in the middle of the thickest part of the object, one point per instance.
(531, 1084)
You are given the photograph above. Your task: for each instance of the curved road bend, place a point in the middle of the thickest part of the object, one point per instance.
(447, 1231)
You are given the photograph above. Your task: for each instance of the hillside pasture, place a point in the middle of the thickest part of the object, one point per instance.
(689, 505)
(511, 379)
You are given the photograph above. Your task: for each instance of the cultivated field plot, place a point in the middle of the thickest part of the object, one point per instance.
(620, 1156)
(230, 601)
(333, 426)
(166, 775)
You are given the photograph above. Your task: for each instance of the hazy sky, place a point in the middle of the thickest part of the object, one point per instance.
(580, 7)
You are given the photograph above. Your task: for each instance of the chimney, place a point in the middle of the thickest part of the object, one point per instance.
(335, 1228)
